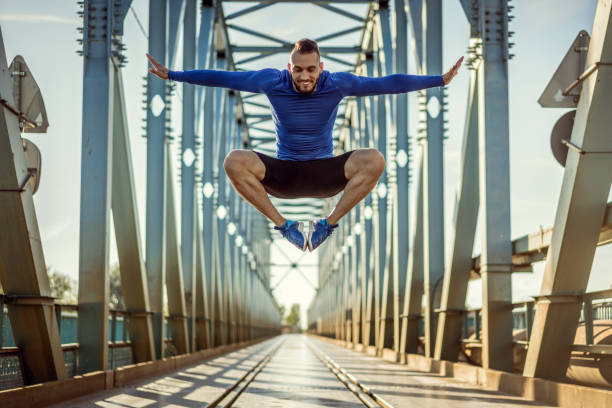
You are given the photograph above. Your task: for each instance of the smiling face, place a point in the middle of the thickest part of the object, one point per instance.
(305, 70)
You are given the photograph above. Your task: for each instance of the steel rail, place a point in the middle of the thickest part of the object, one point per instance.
(246, 379)
(361, 391)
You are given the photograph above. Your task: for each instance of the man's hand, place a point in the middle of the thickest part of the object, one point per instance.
(452, 72)
(158, 69)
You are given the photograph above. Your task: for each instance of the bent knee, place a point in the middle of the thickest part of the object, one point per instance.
(239, 163)
(236, 161)
(375, 162)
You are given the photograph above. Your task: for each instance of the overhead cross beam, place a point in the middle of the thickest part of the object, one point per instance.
(287, 48)
(327, 6)
(258, 34)
(249, 10)
(299, 1)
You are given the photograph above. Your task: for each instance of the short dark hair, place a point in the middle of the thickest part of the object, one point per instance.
(306, 46)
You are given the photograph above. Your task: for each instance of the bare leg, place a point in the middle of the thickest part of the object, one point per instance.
(362, 169)
(245, 171)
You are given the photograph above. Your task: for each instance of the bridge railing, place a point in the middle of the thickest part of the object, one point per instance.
(597, 306)
(119, 343)
(596, 311)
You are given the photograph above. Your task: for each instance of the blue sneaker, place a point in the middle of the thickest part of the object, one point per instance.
(319, 231)
(294, 232)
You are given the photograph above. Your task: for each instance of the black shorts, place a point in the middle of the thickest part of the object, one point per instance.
(319, 178)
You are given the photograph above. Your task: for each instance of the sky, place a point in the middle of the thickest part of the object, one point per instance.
(45, 34)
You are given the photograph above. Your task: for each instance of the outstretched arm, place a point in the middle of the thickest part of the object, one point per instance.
(249, 81)
(353, 85)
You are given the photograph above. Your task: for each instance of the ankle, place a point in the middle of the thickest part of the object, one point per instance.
(333, 224)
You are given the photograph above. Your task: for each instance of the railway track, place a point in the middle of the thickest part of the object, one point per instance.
(361, 391)
(231, 394)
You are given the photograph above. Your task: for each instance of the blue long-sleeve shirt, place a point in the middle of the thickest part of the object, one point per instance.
(304, 123)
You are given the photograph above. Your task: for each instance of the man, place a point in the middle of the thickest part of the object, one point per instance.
(304, 101)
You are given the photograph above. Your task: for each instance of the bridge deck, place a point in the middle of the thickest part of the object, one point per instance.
(296, 371)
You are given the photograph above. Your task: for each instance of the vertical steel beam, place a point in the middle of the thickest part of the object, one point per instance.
(580, 212)
(346, 287)
(457, 274)
(393, 306)
(224, 188)
(339, 305)
(176, 9)
(233, 290)
(250, 293)
(175, 292)
(367, 119)
(247, 280)
(23, 271)
(220, 269)
(203, 108)
(433, 175)
(178, 323)
(96, 179)
(239, 291)
(188, 166)
(389, 295)
(208, 216)
(156, 174)
(127, 232)
(201, 292)
(349, 285)
(411, 314)
(493, 128)
(356, 278)
(246, 331)
(245, 305)
(333, 309)
(379, 125)
(233, 301)
(363, 278)
(250, 274)
(242, 227)
(234, 216)
(414, 8)
(402, 156)
(360, 262)
(355, 218)
(216, 285)
(204, 50)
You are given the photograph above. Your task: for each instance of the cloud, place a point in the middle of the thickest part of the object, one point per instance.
(38, 18)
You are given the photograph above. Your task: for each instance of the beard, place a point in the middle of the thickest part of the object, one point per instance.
(297, 87)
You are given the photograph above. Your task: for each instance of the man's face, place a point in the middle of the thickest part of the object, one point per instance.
(305, 70)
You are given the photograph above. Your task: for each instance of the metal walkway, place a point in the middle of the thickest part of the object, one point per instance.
(290, 371)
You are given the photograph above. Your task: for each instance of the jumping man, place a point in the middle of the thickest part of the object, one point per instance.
(304, 101)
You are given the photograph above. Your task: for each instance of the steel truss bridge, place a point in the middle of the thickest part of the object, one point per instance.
(203, 281)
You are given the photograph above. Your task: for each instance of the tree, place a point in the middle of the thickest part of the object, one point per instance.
(293, 318)
(283, 310)
(116, 291)
(63, 287)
